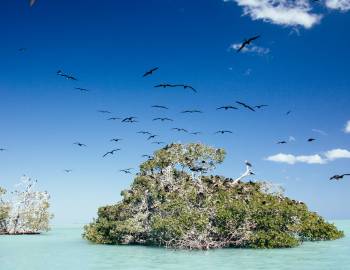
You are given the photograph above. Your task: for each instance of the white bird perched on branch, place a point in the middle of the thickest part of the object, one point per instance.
(247, 172)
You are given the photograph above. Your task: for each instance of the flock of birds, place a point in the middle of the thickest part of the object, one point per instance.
(151, 136)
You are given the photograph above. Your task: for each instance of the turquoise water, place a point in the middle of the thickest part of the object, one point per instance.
(63, 249)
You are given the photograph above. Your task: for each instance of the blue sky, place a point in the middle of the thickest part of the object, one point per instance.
(300, 63)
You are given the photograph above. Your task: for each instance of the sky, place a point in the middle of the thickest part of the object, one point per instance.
(299, 64)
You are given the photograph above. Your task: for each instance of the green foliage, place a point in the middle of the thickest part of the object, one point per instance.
(209, 212)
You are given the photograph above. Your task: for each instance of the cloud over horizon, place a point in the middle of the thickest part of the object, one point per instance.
(310, 159)
(292, 13)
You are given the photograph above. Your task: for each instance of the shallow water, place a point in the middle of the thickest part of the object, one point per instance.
(64, 249)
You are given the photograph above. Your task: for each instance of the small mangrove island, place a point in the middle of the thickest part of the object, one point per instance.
(174, 203)
(26, 211)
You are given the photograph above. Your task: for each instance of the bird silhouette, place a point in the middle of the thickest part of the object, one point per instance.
(338, 177)
(223, 131)
(245, 105)
(113, 118)
(164, 85)
(116, 140)
(228, 107)
(281, 142)
(81, 89)
(185, 86)
(68, 171)
(151, 137)
(160, 107)
(158, 143)
(248, 164)
(246, 42)
(2, 149)
(22, 50)
(111, 152)
(162, 119)
(180, 129)
(311, 140)
(104, 111)
(196, 133)
(80, 144)
(288, 113)
(150, 72)
(147, 156)
(144, 132)
(131, 119)
(126, 171)
(192, 111)
(261, 106)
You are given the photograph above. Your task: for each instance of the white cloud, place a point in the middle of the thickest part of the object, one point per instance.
(291, 159)
(250, 49)
(347, 127)
(320, 131)
(337, 153)
(310, 159)
(342, 5)
(282, 12)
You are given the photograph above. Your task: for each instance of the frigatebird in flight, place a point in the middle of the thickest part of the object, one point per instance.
(68, 171)
(126, 171)
(185, 86)
(131, 119)
(111, 152)
(246, 42)
(104, 111)
(160, 107)
(144, 132)
(248, 164)
(164, 85)
(180, 129)
(80, 144)
(196, 133)
(81, 89)
(245, 105)
(192, 111)
(116, 140)
(113, 118)
(261, 106)
(223, 131)
(151, 137)
(228, 107)
(338, 177)
(311, 140)
(150, 72)
(162, 119)
(158, 143)
(2, 149)
(281, 142)
(288, 113)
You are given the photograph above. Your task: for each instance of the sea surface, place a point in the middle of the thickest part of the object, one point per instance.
(64, 249)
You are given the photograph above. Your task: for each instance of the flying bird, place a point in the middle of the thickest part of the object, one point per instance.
(68, 171)
(81, 89)
(111, 152)
(116, 140)
(311, 140)
(104, 111)
(196, 133)
(144, 132)
(192, 111)
(158, 143)
(245, 105)
(22, 50)
(281, 142)
(162, 119)
(131, 119)
(164, 85)
(147, 156)
(150, 72)
(227, 108)
(185, 86)
(248, 164)
(288, 113)
(160, 107)
(151, 137)
(2, 149)
(338, 177)
(223, 131)
(246, 42)
(126, 171)
(261, 106)
(114, 118)
(180, 129)
(80, 144)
